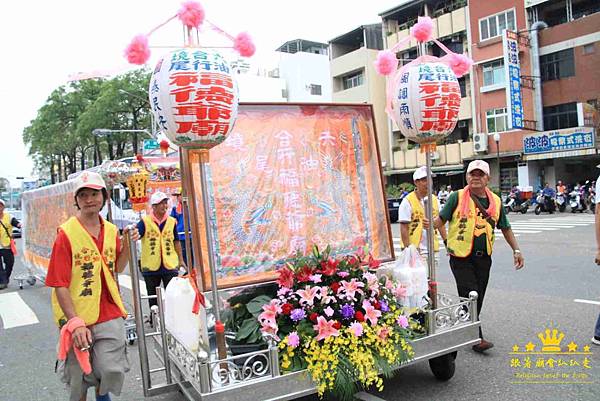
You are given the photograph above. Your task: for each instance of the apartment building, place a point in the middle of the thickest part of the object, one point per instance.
(450, 18)
(355, 80)
(536, 86)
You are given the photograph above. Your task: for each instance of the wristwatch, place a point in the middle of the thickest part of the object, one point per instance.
(517, 252)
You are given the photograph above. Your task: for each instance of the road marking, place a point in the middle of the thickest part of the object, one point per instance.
(125, 281)
(15, 312)
(586, 301)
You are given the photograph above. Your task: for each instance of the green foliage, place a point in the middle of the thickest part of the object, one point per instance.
(60, 137)
(394, 191)
(242, 315)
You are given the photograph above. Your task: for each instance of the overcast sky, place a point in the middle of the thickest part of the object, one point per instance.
(45, 41)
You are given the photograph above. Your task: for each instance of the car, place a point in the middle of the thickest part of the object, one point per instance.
(17, 214)
(393, 206)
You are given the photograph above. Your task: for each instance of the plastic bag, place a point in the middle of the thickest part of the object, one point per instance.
(410, 272)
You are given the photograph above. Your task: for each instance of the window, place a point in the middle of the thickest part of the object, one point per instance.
(588, 49)
(560, 116)
(315, 89)
(492, 26)
(557, 65)
(493, 73)
(353, 80)
(497, 120)
(462, 82)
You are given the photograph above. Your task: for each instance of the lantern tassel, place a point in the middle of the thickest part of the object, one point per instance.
(428, 147)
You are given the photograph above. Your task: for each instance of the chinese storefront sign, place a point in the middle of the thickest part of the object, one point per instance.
(287, 178)
(512, 69)
(427, 102)
(547, 362)
(194, 97)
(559, 140)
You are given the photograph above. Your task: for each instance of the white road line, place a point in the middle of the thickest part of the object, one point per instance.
(586, 301)
(125, 281)
(520, 231)
(15, 312)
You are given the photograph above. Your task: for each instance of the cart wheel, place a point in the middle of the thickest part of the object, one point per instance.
(20, 284)
(443, 367)
(31, 281)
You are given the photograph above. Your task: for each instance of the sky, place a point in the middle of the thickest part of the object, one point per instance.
(44, 42)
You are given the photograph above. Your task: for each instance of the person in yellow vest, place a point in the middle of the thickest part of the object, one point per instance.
(161, 252)
(7, 257)
(473, 213)
(411, 215)
(86, 302)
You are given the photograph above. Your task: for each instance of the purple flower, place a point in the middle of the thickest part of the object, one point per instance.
(347, 311)
(383, 305)
(293, 340)
(297, 314)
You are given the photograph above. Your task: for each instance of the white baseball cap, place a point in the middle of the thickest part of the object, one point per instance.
(158, 197)
(89, 179)
(2, 202)
(421, 172)
(479, 165)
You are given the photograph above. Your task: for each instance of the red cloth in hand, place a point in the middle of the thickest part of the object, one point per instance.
(66, 342)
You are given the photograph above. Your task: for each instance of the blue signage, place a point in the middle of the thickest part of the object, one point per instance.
(560, 140)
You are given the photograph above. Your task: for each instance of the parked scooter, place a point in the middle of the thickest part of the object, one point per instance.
(561, 202)
(545, 203)
(512, 204)
(575, 202)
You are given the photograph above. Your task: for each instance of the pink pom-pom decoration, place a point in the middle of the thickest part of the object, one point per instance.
(459, 63)
(191, 14)
(138, 52)
(423, 29)
(386, 62)
(243, 45)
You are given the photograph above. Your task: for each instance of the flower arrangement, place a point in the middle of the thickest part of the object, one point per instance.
(334, 317)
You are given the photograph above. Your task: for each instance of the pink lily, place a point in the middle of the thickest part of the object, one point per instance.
(270, 311)
(325, 328)
(356, 329)
(371, 314)
(307, 296)
(351, 288)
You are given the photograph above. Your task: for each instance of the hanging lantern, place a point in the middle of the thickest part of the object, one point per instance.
(426, 102)
(164, 147)
(137, 184)
(194, 97)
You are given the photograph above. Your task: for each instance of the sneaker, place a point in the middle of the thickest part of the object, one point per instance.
(104, 397)
(482, 346)
(596, 340)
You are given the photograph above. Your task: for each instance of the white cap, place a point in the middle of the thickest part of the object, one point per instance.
(419, 173)
(158, 197)
(479, 165)
(89, 179)
(2, 202)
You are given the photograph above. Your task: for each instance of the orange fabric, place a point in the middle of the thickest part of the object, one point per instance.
(66, 342)
(464, 206)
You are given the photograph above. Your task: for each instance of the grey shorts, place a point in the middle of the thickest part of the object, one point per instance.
(109, 359)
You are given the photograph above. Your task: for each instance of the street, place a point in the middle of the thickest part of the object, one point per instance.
(559, 253)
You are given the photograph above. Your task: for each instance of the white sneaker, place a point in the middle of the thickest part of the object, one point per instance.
(596, 340)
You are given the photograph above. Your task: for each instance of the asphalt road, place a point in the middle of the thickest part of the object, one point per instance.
(558, 250)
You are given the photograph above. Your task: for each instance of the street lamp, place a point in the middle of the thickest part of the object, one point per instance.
(497, 140)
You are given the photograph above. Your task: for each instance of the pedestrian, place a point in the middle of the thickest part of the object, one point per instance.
(177, 214)
(161, 253)
(472, 214)
(86, 302)
(7, 245)
(596, 338)
(412, 216)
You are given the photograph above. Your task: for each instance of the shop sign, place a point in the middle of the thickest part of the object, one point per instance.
(559, 140)
(514, 99)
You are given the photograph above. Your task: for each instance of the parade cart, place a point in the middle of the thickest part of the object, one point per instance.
(288, 177)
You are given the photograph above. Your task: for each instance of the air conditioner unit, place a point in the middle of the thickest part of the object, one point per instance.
(480, 142)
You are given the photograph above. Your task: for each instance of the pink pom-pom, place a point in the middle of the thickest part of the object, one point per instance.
(386, 62)
(243, 45)
(459, 63)
(423, 29)
(191, 14)
(138, 52)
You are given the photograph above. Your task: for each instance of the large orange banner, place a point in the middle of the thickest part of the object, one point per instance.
(287, 178)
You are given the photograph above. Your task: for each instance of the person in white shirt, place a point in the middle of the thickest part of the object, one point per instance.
(412, 216)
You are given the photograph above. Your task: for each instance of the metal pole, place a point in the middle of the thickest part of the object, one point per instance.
(163, 337)
(139, 317)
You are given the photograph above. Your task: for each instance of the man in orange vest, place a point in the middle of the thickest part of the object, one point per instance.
(161, 252)
(473, 213)
(86, 302)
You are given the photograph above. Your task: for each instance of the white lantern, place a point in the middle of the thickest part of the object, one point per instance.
(194, 97)
(426, 102)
